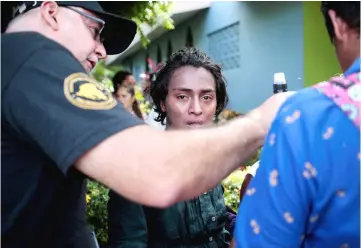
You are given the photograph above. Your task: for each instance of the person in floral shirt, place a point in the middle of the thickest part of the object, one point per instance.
(307, 189)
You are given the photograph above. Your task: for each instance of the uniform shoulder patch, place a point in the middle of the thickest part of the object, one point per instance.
(85, 92)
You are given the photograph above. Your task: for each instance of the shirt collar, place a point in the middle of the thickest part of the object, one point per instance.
(355, 67)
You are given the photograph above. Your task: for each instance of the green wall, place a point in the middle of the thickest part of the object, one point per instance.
(320, 62)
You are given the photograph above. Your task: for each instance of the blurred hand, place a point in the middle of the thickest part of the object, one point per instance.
(266, 112)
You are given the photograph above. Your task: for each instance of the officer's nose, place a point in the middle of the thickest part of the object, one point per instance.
(100, 51)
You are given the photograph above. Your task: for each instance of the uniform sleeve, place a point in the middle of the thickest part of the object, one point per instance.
(52, 105)
(276, 210)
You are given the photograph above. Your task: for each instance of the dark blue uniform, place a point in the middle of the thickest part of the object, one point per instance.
(52, 113)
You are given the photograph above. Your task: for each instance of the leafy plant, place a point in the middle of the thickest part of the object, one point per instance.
(144, 105)
(97, 213)
(143, 12)
(233, 183)
(104, 74)
(152, 13)
(232, 186)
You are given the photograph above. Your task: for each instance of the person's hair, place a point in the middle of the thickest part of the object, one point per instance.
(118, 79)
(186, 57)
(349, 11)
(135, 104)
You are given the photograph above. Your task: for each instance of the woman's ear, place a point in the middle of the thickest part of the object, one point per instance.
(49, 11)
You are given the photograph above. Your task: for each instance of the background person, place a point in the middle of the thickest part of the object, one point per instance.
(189, 92)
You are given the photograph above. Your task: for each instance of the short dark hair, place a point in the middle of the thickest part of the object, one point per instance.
(186, 57)
(349, 11)
(118, 79)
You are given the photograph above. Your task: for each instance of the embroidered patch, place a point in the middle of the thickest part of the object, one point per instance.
(85, 92)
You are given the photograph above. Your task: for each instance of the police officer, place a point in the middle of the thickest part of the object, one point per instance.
(59, 126)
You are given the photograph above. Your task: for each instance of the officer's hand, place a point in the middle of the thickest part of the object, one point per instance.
(266, 112)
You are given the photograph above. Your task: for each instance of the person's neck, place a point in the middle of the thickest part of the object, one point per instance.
(349, 63)
(17, 29)
(353, 56)
(24, 25)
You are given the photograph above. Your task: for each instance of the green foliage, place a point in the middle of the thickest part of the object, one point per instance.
(152, 13)
(97, 213)
(143, 12)
(144, 105)
(104, 74)
(232, 186)
(233, 183)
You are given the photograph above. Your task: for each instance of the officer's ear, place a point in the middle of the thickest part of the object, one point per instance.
(49, 9)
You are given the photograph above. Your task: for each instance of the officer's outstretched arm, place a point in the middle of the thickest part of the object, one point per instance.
(159, 168)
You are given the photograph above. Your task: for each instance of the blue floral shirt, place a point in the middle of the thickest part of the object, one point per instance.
(307, 189)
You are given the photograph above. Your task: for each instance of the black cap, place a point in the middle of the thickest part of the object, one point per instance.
(118, 31)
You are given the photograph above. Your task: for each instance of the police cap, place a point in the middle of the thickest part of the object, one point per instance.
(118, 31)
